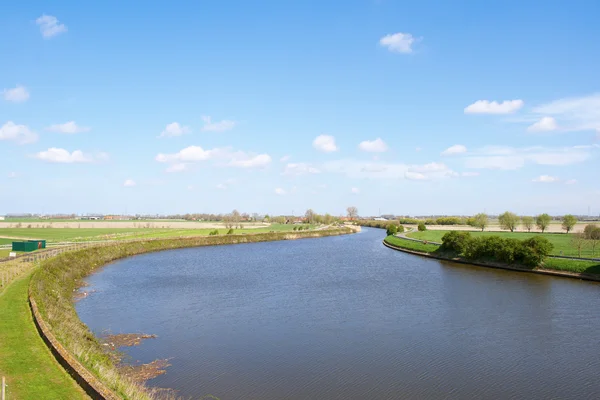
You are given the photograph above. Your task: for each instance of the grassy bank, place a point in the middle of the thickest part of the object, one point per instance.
(53, 286)
(560, 241)
(30, 368)
(556, 264)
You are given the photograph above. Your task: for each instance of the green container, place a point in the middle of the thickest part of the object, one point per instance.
(41, 244)
(24, 246)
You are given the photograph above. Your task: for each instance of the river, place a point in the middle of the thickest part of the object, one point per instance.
(346, 318)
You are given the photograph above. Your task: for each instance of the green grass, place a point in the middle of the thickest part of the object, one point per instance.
(411, 245)
(586, 267)
(81, 234)
(561, 241)
(31, 370)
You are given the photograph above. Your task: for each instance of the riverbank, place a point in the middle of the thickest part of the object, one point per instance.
(586, 270)
(53, 286)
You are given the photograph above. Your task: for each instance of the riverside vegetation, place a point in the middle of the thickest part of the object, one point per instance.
(528, 253)
(53, 285)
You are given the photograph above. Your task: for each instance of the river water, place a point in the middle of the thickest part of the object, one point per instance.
(346, 318)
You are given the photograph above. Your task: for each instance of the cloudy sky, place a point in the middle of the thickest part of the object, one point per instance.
(274, 107)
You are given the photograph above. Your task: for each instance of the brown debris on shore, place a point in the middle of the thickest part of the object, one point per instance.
(125, 340)
(143, 372)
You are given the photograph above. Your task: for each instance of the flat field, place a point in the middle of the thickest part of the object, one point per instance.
(116, 231)
(562, 242)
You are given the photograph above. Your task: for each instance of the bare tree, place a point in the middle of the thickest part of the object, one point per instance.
(235, 217)
(527, 222)
(310, 216)
(352, 212)
(579, 241)
(592, 234)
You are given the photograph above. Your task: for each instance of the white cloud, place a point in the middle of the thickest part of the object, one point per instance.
(178, 167)
(18, 94)
(19, 134)
(49, 26)
(493, 107)
(545, 124)
(325, 143)
(575, 113)
(388, 171)
(129, 183)
(373, 146)
(174, 129)
(571, 182)
(414, 176)
(511, 158)
(398, 42)
(280, 192)
(470, 174)
(221, 156)
(220, 126)
(285, 158)
(456, 149)
(355, 190)
(243, 160)
(57, 155)
(298, 169)
(68, 127)
(546, 179)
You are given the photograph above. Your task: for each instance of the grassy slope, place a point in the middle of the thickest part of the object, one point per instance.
(30, 368)
(559, 240)
(587, 267)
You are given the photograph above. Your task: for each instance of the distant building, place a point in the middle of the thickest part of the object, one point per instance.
(379, 219)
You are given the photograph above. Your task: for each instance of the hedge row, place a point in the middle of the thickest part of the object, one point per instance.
(530, 252)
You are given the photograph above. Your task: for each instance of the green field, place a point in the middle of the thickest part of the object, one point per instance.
(30, 368)
(86, 234)
(561, 241)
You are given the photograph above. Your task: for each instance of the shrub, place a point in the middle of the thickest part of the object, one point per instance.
(214, 233)
(392, 229)
(230, 231)
(400, 228)
(295, 228)
(535, 250)
(455, 241)
(421, 227)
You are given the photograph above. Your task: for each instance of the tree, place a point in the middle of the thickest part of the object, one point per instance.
(480, 221)
(310, 216)
(592, 234)
(568, 222)
(235, 218)
(527, 222)
(542, 221)
(327, 219)
(509, 221)
(392, 229)
(352, 212)
(579, 241)
(421, 227)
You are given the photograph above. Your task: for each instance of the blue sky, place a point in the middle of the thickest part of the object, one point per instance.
(203, 106)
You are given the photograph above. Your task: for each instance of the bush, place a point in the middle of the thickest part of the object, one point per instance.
(530, 252)
(455, 241)
(400, 228)
(535, 250)
(295, 228)
(392, 229)
(421, 227)
(230, 231)
(213, 233)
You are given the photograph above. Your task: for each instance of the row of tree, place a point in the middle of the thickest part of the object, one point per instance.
(511, 221)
